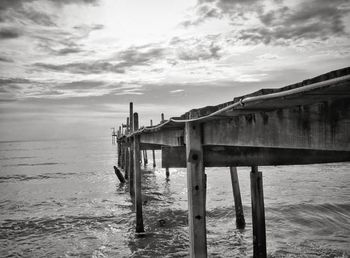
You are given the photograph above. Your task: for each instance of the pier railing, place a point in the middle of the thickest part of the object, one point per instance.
(303, 123)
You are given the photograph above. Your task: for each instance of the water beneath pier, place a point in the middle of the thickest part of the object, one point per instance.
(62, 199)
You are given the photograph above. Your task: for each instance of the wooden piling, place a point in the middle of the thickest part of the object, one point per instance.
(119, 175)
(127, 129)
(131, 150)
(196, 190)
(167, 172)
(137, 178)
(122, 154)
(153, 152)
(145, 159)
(154, 158)
(119, 154)
(240, 222)
(258, 214)
(162, 117)
(131, 169)
(126, 166)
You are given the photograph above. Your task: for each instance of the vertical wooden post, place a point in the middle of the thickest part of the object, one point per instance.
(162, 117)
(131, 169)
(196, 190)
(119, 153)
(240, 222)
(137, 178)
(153, 152)
(167, 172)
(131, 150)
(145, 159)
(131, 117)
(154, 158)
(258, 213)
(126, 166)
(127, 125)
(122, 154)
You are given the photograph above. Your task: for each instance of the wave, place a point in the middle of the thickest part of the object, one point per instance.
(36, 177)
(32, 164)
(14, 158)
(35, 227)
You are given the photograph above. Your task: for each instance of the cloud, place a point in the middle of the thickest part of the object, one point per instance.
(8, 81)
(203, 12)
(85, 29)
(276, 22)
(317, 19)
(176, 91)
(24, 11)
(121, 61)
(9, 33)
(62, 42)
(97, 67)
(5, 59)
(78, 85)
(12, 4)
(218, 9)
(63, 2)
(195, 49)
(36, 17)
(68, 50)
(11, 87)
(137, 56)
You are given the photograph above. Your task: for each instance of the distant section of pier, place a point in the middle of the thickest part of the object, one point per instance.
(303, 123)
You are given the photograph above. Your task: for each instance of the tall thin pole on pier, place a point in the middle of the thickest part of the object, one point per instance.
(127, 149)
(196, 188)
(240, 222)
(126, 157)
(127, 125)
(145, 159)
(153, 152)
(258, 213)
(137, 178)
(131, 156)
(167, 168)
(162, 117)
(119, 147)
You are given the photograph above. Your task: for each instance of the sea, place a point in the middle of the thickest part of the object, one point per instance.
(61, 198)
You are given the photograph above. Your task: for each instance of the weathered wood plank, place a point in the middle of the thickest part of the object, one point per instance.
(169, 137)
(119, 174)
(258, 214)
(231, 156)
(240, 221)
(196, 188)
(327, 76)
(131, 171)
(322, 126)
(154, 158)
(137, 179)
(126, 166)
(149, 146)
(153, 152)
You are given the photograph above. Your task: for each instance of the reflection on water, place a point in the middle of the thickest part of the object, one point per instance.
(62, 199)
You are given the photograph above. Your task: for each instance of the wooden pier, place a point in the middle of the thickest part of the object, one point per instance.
(303, 123)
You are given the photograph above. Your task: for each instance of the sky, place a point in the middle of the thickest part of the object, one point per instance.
(69, 68)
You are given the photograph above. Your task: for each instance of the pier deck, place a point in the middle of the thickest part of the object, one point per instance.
(303, 123)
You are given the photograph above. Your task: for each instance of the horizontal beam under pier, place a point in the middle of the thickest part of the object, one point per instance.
(150, 146)
(230, 156)
(321, 126)
(169, 137)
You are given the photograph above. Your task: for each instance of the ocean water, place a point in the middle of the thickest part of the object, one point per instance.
(62, 199)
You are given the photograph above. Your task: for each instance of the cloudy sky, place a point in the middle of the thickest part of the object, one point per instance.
(69, 68)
